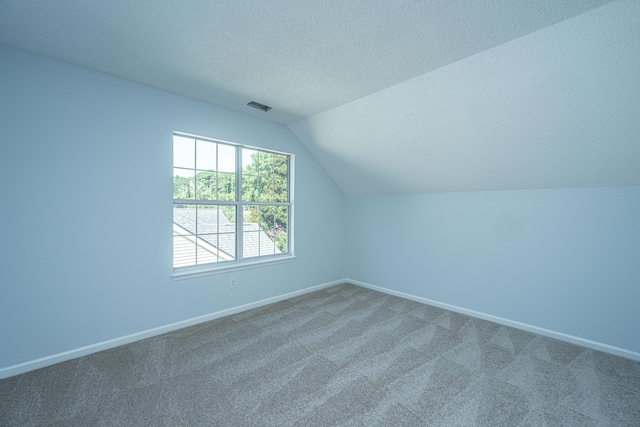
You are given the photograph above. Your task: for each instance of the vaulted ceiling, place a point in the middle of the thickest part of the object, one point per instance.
(391, 97)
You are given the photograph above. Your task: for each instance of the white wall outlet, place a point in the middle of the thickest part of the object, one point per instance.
(233, 282)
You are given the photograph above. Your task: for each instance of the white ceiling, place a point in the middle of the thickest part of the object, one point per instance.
(390, 96)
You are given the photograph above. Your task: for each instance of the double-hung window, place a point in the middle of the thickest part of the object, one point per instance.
(232, 205)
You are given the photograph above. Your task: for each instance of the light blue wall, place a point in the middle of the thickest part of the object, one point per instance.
(86, 193)
(567, 260)
(85, 227)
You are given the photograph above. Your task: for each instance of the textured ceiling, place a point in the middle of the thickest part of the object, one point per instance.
(299, 57)
(390, 96)
(557, 108)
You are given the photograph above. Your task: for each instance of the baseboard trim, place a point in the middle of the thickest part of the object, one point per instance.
(502, 321)
(116, 342)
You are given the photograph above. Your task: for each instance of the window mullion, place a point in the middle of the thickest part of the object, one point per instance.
(204, 202)
(195, 195)
(269, 203)
(239, 206)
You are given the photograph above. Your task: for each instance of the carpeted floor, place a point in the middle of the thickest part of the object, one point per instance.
(344, 356)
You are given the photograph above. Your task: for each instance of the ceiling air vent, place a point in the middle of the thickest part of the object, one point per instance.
(259, 106)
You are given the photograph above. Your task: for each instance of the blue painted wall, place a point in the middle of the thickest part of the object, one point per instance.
(85, 226)
(86, 191)
(567, 260)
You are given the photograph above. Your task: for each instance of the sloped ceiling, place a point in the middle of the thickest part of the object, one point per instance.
(557, 108)
(390, 96)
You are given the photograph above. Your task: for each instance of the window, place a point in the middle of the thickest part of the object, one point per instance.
(232, 205)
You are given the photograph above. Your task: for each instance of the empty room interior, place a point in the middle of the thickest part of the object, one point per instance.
(384, 213)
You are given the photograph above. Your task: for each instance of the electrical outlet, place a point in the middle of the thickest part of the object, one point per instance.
(233, 282)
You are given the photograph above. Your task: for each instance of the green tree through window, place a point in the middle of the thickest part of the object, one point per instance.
(266, 179)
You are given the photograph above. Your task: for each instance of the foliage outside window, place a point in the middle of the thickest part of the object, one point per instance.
(231, 204)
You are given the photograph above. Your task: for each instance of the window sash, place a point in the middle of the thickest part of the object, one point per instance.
(239, 204)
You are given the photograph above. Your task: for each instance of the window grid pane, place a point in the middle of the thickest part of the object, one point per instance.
(184, 154)
(206, 155)
(184, 251)
(206, 184)
(183, 183)
(205, 171)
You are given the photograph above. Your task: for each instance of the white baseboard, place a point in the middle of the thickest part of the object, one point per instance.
(523, 326)
(116, 342)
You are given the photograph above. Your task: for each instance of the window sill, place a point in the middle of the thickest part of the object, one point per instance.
(228, 267)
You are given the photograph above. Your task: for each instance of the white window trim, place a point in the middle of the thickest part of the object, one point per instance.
(242, 264)
(199, 271)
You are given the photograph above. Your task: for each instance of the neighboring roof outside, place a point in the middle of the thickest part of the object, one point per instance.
(221, 233)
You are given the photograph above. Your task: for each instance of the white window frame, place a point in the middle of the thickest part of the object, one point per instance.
(240, 263)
